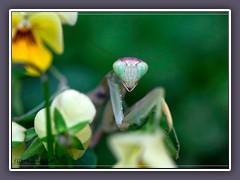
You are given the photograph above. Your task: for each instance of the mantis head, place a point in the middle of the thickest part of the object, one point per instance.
(130, 70)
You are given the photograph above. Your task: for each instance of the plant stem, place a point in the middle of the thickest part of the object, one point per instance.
(50, 140)
(44, 81)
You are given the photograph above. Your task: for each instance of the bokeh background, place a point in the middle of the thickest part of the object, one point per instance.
(187, 54)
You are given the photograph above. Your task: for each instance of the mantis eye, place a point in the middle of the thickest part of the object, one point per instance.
(142, 69)
(130, 70)
(119, 68)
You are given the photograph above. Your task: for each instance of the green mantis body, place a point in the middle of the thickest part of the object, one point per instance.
(125, 76)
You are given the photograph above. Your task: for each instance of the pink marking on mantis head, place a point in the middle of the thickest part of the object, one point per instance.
(130, 70)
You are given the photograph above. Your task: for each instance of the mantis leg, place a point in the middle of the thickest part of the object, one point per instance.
(117, 92)
(140, 110)
(137, 114)
(152, 102)
(126, 74)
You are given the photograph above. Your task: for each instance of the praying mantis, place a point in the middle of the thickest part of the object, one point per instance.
(124, 77)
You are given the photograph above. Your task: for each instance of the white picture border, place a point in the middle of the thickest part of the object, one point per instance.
(121, 10)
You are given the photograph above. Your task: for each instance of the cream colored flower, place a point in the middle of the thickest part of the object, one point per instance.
(140, 150)
(30, 30)
(75, 108)
(18, 132)
(18, 147)
(69, 18)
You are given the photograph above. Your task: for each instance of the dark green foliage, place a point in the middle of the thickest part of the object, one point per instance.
(30, 134)
(33, 149)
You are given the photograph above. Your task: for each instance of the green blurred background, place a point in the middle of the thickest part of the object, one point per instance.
(187, 54)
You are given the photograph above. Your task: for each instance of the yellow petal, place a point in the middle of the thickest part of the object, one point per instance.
(18, 132)
(48, 26)
(69, 18)
(74, 106)
(84, 136)
(26, 51)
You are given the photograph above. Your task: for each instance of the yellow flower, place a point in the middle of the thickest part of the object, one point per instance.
(75, 108)
(140, 150)
(30, 30)
(18, 147)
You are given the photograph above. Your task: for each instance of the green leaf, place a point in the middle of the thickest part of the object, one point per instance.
(33, 149)
(76, 128)
(59, 121)
(59, 151)
(15, 143)
(76, 143)
(88, 160)
(55, 138)
(44, 139)
(30, 134)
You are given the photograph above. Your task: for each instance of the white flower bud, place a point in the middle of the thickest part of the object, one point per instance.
(18, 132)
(75, 108)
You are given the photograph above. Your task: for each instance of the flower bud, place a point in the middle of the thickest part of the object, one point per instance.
(75, 108)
